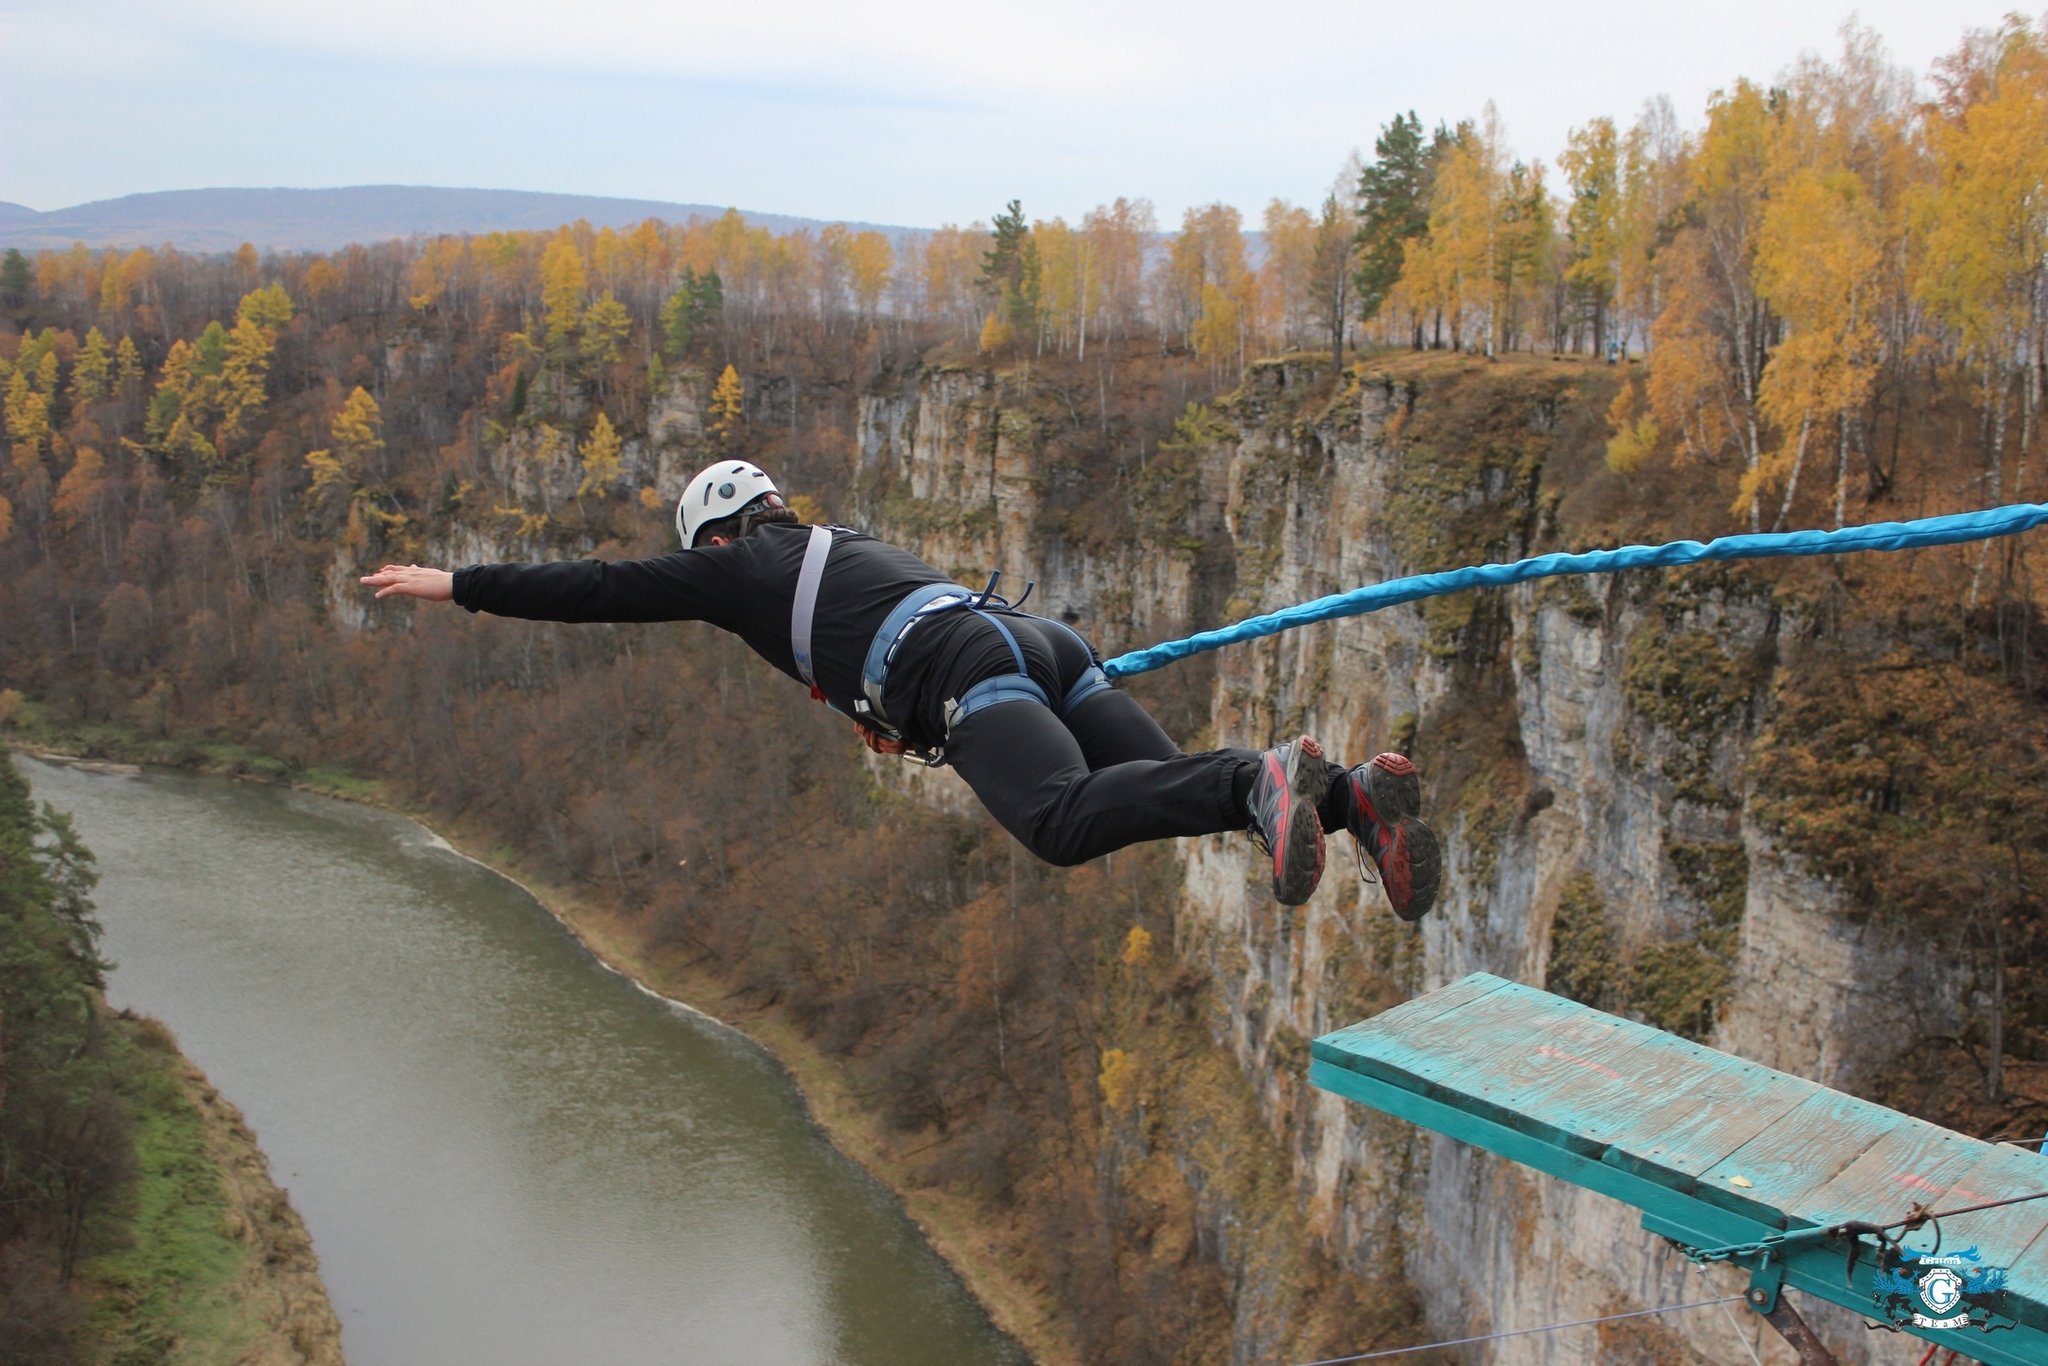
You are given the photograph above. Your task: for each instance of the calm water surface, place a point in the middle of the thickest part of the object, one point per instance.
(505, 1153)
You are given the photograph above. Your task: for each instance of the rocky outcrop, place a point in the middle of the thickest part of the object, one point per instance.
(1592, 746)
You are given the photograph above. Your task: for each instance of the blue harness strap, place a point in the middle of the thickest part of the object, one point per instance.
(1011, 687)
(923, 601)
(930, 597)
(1091, 682)
(1016, 687)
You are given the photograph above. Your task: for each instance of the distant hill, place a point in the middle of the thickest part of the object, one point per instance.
(322, 220)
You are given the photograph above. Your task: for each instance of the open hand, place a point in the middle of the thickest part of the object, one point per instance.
(412, 581)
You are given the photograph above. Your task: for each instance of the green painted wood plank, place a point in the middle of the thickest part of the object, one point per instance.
(1673, 1107)
(1914, 1161)
(1479, 1054)
(1667, 1125)
(1786, 1161)
(1710, 1225)
(1462, 1047)
(1585, 1078)
(1415, 1011)
(1816, 1271)
(1696, 1115)
(2011, 1237)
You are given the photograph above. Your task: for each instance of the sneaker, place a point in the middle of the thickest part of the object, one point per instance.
(1290, 784)
(1385, 797)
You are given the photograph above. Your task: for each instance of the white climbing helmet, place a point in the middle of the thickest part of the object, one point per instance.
(720, 491)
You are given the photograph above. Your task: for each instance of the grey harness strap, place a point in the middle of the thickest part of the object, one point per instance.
(806, 605)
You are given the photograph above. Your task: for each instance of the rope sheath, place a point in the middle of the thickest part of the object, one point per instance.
(1953, 529)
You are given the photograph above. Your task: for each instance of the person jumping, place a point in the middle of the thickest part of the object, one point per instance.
(1017, 704)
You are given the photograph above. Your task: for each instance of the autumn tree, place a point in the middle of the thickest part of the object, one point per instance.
(241, 393)
(270, 307)
(1204, 275)
(1715, 330)
(1117, 235)
(82, 492)
(1287, 290)
(563, 285)
(600, 458)
(870, 262)
(1524, 255)
(728, 406)
(1985, 235)
(127, 367)
(1456, 270)
(1592, 167)
(357, 434)
(177, 418)
(91, 372)
(1655, 169)
(1817, 254)
(1333, 270)
(951, 277)
(28, 420)
(1072, 284)
(604, 328)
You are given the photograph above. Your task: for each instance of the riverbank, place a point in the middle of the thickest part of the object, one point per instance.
(220, 1270)
(980, 1253)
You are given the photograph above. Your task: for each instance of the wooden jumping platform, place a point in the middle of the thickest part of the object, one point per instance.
(1729, 1160)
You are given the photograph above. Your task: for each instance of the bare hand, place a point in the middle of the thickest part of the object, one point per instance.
(412, 581)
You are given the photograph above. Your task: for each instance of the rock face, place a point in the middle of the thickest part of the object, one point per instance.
(1589, 746)
(1590, 749)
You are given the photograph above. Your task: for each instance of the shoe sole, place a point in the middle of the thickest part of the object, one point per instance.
(1413, 850)
(1298, 853)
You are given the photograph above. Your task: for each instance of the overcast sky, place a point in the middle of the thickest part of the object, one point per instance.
(892, 111)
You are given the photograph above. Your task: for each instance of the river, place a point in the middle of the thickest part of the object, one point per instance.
(504, 1152)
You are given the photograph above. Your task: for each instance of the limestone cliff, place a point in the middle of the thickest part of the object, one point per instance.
(1591, 746)
(1596, 755)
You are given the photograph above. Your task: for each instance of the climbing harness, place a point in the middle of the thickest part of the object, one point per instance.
(918, 605)
(1926, 531)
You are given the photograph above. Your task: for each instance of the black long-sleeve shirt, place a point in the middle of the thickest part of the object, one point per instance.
(747, 587)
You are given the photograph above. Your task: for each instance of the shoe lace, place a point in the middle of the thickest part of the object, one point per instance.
(1368, 871)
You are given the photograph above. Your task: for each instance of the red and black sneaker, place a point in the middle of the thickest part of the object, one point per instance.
(1290, 785)
(1385, 799)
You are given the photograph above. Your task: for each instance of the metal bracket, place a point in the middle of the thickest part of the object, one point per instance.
(1766, 1280)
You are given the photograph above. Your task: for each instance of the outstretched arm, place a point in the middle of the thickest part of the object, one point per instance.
(412, 581)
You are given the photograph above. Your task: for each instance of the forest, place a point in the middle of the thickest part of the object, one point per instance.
(1827, 302)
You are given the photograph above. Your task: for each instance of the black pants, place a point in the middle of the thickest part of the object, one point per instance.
(1104, 777)
(1075, 787)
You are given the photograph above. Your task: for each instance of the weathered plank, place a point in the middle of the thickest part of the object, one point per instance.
(1814, 1144)
(1714, 1149)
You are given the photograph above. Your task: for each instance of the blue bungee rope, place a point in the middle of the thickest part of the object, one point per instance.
(1925, 531)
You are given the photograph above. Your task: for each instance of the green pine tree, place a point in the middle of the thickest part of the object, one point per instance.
(1393, 205)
